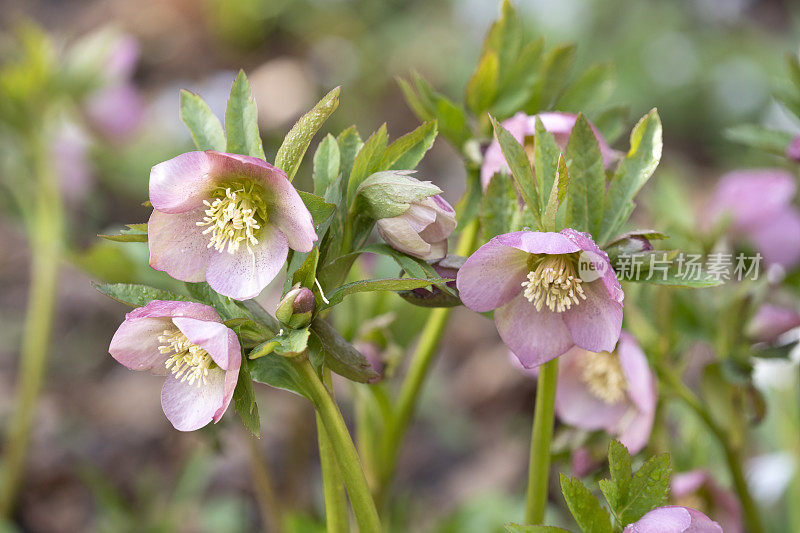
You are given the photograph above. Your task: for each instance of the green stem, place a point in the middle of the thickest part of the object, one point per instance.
(542, 434)
(344, 449)
(45, 230)
(336, 517)
(268, 502)
(733, 456)
(421, 361)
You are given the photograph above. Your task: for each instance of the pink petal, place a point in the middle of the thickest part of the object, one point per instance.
(400, 233)
(778, 238)
(772, 321)
(183, 182)
(669, 519)
(171, 308)
(635, 432)
(491, 276)
(687, 483)
(539, 242)
(751, 196)
(231, 378)
(702, 524)
(534, 336)
(641, 381)
(444, 223)
(115, 111)
(595, 323)
(215, 338)
(244, 275)
(135, 344)
(190, 407)
(178, 246)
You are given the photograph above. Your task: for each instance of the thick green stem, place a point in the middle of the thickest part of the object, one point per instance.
(336, 518)
(268, 502)
(542, 434)
(344, 450)
(45, 228)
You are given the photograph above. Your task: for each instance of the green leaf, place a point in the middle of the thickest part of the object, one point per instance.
(349, 144)
(590, 90)
(759, 137)
(366, 161)
(632, 173)
(551, 78)
(226, 307)
(619, 463)
(482, 86)
(648, 489)
(517, 84)
(296, 142)
(793, 66)
(546, 155)
(612, 122)
(307, 273)
(588, 179)
(320, 210)
(326, 165)
(134, 233)
(519, 528)
(406, 152)
(520, 167)
(136, 295)
(340, 356)
(241, 120)
(557, 194)
(287, 342)
(587, 511)
(279, 372)
(382, 284)
(244, 400)
(428, 105)
(499, 206)
(504, 38)
(204, 126)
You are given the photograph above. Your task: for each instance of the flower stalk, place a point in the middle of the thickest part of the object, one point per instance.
(542, 434)
(336, 517)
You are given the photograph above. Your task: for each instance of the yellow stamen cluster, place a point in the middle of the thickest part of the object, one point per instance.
(553, 282)
(602, 374)
(232, 219)
(188, 362)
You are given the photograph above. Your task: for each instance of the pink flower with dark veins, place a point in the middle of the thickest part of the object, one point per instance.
(613, 391)
(674, 519)
(542, 306)
(226, 219)
(188, 343)
(523, 128)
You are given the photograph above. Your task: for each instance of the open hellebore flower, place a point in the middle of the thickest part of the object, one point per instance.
(542, 306)
(772, 321)
(189, 344)
(759, 205)
(698, 489)
(411, 216)
(613, 391)
(226, 219)
(523, 128)
(674, 519)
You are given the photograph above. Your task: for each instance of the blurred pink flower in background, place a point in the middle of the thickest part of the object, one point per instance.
(772, 321)
(697, 488)
(793, 149)
(615, 392)
(542, 307)
(188, 343)
(226, 219)
(523, 127)
(674, 519)
(758, 204)
(70, 153)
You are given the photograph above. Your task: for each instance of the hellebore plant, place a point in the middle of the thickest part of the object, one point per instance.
(227, 219)
(674, 519)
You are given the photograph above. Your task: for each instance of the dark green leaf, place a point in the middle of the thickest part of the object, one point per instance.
(648, 489)
(588, 179)
(499, 207)
(307, 273)
(279, 372)
(204, 126)
(136, 295)
(296, 142)
(366, 161)
(557, 194)
(551, 78)
(241, 120)
(244, 400)
(340, 355)
(517, 84)
(383, 284)
(406, 152)
(226, 307)
(520, 167)
(546, 155)
(619, 464)
(587, 511)
(320, 210)
(326, 165)
(349, 145)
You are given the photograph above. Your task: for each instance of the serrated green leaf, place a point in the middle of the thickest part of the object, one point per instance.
(296, 142)
(320, 210)
(648, 489)
(546, 155)
(406, 152)
(517, 84)
(136, 295)
(306, 274)
(504, 38)
(587, 511)
(423, 109)
(557, 194)
(520, 167)
(592, 88)
(551, 78)
(619, 465)
(429, 105)
(519, 528)
(482, 86)
(244, 400)
(241, 120)
(286, 342)
(611, 493)
(279, 372)
(349, 145)
(499, 207)
(366, 161)
(326, 165)
(383, 284)
(588, 179)
(632, 173)
(340, 356)
(204, 126)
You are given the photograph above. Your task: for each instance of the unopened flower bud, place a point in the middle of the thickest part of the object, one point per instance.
(390, 194)
(631, 243)
(296, 307)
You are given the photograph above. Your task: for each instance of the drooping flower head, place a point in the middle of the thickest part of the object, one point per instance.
(523, 128)
(613, 391)
(674, 519)
(188, 343)
(699, 490)
(542, 304)
(758, 204)
(226, 219)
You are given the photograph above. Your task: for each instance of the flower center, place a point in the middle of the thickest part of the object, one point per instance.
(234, 217)
(188, 362)
(553, 282)
(602, 374)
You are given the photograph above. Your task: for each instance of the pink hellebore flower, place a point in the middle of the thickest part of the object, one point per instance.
(189, 344)
(226, 219)
(542, 306)
(772, 321)
(793, 149)
(674, 519)
(523, 127)
(421, 231)
(759, 204)
(699, 489)
(615, 392)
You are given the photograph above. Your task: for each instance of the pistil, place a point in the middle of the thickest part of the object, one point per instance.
(553, 282)
(233, 218)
